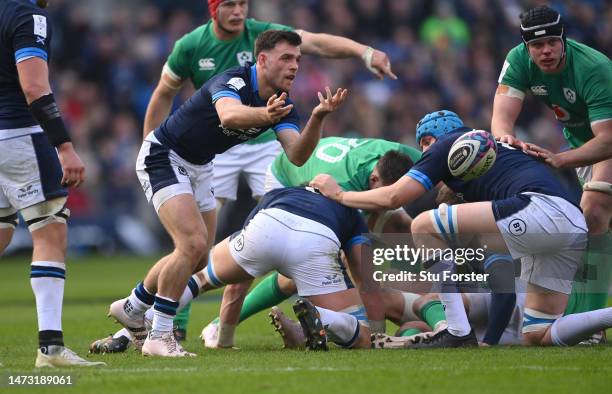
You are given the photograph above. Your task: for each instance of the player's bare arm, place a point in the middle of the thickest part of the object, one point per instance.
(595, 150)
(507, 106)
(161, 101)
(34, 80)
(328, 45)
(402, 192)
(234, 114)
(299, 147)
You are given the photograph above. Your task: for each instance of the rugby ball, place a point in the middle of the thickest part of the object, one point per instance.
(472, 155)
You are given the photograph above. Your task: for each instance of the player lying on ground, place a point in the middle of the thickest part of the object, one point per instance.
(300, 234)
(517, 198)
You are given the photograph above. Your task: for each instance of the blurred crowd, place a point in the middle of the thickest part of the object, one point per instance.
(108, 55)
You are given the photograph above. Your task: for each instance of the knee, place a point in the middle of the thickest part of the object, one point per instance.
(597, 217)
(194, 248)
(421, 224)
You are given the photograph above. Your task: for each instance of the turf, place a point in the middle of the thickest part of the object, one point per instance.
(260, 365)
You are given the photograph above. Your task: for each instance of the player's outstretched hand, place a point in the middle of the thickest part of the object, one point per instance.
(516, 143)
(379, 64)
(327, 186)
(72, 166)
(329, 103)
(552, 159)
(276, 107)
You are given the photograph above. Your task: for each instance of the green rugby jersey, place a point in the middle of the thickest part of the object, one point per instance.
(349, 160)
(200, 55)
(579, 94)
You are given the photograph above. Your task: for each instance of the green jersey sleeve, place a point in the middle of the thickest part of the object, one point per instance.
(598, 92)
(180, 58)
(515, 71)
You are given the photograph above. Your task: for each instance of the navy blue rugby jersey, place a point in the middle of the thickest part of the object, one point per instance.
(513, 173)
(347, 223)
(25, 32)
(194, 131)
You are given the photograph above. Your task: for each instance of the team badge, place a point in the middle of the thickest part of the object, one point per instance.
(570, 95)
(244, 57)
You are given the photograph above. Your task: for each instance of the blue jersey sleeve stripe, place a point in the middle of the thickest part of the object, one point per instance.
(285, 126)
(30, 52)
(357, 240)
(225, 93)
(421, 178)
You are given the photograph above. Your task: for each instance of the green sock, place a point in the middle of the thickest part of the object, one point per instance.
(265, 295)
(590, 288)
(409, 332)
(182, 318)
(432, 313)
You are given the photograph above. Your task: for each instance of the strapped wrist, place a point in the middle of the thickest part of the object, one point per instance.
(47, 114)
(367, 57)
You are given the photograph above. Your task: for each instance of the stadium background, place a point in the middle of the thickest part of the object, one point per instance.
(107, 56)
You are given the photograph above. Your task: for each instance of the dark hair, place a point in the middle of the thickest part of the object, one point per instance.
(269, 38)
(392, 166)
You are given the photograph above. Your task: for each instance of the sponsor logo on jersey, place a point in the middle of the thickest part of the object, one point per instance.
(570, 95)
(242, 134)
(40, 25)
(561, 113)
(244, 57)
(539, 90)
(237, 83)
(207, 64)
(182, 171)
(239, 242)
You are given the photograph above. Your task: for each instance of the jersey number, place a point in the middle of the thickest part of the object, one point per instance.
(334, 152)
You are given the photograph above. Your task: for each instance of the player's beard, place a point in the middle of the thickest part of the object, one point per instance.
(42, 3)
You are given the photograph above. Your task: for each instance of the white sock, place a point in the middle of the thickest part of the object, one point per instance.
(164, 313)
(226, 335)
(191, 291)
(456, 317)
(572, 329)
(47, 280)
(408, 314)
(341, 327)
(141, 300)
(122, 333)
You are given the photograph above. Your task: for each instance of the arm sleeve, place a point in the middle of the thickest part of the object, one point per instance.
(358, 235)
(31, 36)
(226, 85)
(433, 167)
(598, 92)
(179, 59)
(289, 122)
(515, 71)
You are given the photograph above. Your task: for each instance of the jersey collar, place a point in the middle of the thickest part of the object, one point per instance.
(254, 85)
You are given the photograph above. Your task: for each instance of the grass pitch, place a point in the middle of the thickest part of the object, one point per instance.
(260, 365)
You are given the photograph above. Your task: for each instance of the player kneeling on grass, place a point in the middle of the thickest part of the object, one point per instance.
(518, 199)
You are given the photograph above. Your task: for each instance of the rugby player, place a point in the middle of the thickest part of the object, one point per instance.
(575, 81)
(174, 167)
(37, 165)
(228, 40)
(518, 199)
(359, 164)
